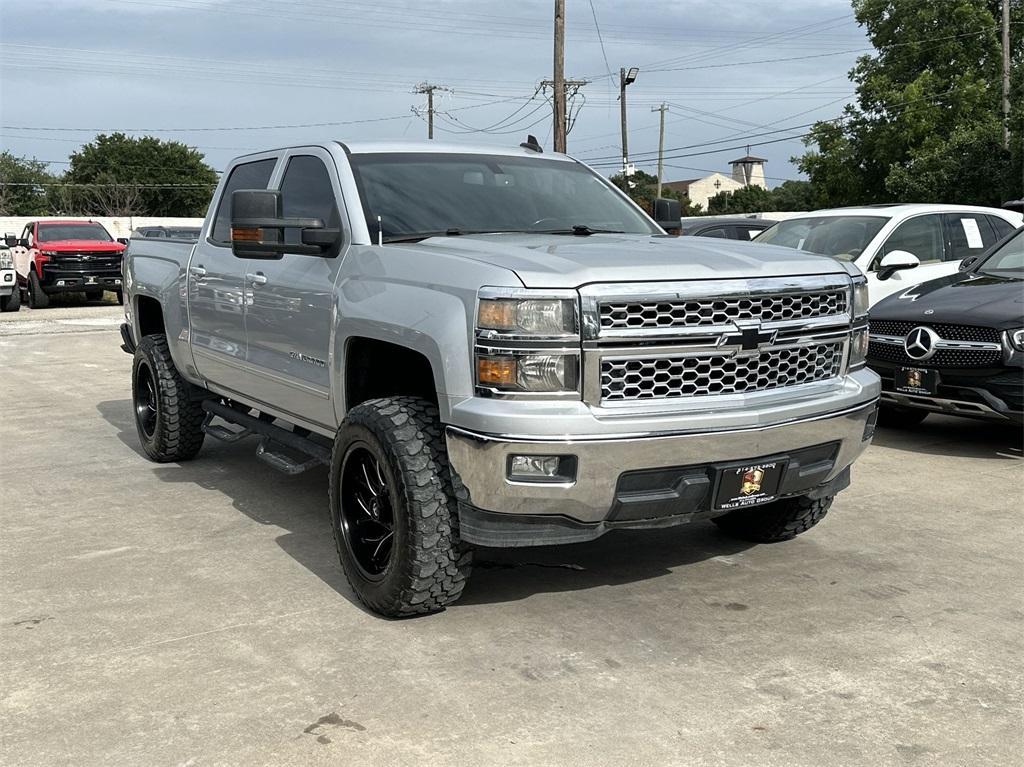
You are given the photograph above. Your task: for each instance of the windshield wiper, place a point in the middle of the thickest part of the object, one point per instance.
(417, 236)
(580, 230)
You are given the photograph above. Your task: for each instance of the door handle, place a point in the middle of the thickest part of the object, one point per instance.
(197, 271)
(257, 279)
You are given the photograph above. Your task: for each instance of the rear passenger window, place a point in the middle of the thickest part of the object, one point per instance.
(718, 232)
(970, 234)
(748, 234)
(250, 175)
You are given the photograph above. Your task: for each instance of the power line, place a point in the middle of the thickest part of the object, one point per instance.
(819, 55)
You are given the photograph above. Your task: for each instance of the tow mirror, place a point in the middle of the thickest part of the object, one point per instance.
(668, 214)
(10, 240)
(896, 261)
(968, 262)
(123, 240)
(258, 229)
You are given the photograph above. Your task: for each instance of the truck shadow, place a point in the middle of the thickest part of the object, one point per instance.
(956, 437)
(298, 505)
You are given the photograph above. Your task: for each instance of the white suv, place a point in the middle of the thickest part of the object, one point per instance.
(896, 246)
(10, 293)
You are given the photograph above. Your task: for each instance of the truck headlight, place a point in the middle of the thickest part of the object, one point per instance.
(1015, 338)
(49, 252)
(511, 311)
(861, 299)
(550, 373)
(858, 348)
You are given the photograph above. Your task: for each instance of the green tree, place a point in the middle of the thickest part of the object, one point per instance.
(790, 195)
(927, 123)
(123, 175)
(643, 189)
(22, 190)
(749, 199)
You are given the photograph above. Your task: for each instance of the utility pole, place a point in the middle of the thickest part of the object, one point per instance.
(429, 89)
(559, 77)
(661, 142)
(625, 78)
(1006, 74)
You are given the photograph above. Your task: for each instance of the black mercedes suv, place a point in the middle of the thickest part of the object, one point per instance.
(955, 345)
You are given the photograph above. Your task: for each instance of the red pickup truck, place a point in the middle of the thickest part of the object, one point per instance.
(67, 256)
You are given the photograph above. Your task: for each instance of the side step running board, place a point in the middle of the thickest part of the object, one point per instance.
(271, 436)
(282, 462)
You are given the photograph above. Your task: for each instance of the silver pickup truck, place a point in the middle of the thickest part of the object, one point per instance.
(495, 348)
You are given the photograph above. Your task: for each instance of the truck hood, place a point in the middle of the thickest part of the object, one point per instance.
(73, 246)
(568, 261)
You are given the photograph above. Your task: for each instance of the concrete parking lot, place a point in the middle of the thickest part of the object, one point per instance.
(196, 614)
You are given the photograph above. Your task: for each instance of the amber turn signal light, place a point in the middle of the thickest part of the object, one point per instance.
(247, 234)
(496, 371)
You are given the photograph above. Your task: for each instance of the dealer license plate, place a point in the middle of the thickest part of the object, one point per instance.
(749, 485)
(917, 381)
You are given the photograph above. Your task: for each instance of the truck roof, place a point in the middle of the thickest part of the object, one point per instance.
(426, 147)
(436, 147)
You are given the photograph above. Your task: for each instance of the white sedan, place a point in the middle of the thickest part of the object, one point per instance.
(896, 246)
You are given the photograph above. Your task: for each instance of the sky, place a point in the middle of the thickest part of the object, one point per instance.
(223, 75)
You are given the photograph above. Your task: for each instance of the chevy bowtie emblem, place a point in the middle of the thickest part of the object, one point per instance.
(749, 339)
(920, 343)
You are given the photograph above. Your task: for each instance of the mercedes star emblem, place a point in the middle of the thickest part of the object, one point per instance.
(920, 343)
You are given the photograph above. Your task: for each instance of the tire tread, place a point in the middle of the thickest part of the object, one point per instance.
(436, 564)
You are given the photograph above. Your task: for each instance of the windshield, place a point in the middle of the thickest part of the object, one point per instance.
(56, 232)
(426, 194)
(842, 237)
(1007, 260)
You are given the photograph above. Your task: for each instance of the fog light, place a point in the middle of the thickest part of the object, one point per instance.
(117, 282)
(60, 283)
(542, 468)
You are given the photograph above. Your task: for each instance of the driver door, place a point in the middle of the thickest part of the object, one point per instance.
(924, 237)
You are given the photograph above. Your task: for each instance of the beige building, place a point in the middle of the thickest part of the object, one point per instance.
(746, 171)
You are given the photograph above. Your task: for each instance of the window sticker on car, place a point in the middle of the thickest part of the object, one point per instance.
(972, 232)
(752, 233)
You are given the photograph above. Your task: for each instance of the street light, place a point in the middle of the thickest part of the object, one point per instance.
(625, 78)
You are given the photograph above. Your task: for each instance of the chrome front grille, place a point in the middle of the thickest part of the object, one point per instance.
(698, 312)
(651, 378)
(700, 344)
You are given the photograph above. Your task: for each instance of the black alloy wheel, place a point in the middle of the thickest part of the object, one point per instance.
(367, 515)
(146, 400)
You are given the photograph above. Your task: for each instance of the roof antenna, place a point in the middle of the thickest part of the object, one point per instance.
(532, 144)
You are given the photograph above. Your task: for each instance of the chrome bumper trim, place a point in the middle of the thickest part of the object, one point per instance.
(479, 460)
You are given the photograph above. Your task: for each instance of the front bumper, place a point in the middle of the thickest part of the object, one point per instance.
(56, 280)
(651, 481)
(996, 394)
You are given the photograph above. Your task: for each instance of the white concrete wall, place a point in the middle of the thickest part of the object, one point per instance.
(118, 227)
(702, 190)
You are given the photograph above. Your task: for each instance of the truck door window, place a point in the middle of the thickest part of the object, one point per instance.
(306, 191)
(921, 236)
(250, 175)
